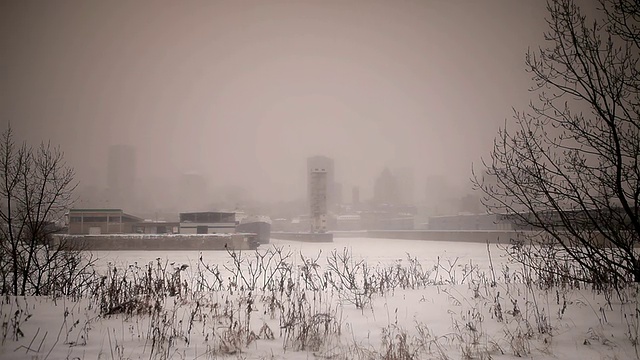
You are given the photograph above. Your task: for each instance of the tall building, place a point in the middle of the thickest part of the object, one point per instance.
(355, 196)
(326, 163)
(121, 175)
(318, 200)
(385, 189)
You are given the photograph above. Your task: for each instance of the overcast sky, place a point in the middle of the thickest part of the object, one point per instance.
(244, 91)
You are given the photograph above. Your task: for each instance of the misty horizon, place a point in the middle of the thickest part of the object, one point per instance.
(243, 93)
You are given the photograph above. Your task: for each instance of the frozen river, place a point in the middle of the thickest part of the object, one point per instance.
(375, 251)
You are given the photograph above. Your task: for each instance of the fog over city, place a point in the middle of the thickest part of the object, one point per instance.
(243, 92)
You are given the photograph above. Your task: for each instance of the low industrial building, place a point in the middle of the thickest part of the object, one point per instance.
(101, 221)
(208, 222)
(386, 220)
(471, 222)
(156, 227)
(348, 222)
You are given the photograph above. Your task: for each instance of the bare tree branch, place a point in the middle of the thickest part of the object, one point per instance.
(568, 167)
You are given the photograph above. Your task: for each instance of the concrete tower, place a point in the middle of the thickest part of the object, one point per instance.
(327, 164)
(318, 200)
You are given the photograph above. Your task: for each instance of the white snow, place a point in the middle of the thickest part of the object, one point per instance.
(463, 316)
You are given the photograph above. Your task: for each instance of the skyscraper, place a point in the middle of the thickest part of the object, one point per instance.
(355, 196)
(385, 189)
(327, 164)
(318, 200)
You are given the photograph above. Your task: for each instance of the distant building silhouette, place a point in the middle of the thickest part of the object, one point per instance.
(405, 182)
(385, 189)
(355, 196)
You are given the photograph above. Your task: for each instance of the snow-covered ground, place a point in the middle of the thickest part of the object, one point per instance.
(441, 301)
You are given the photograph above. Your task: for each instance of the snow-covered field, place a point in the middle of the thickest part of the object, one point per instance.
(352, 299)
(375, 251)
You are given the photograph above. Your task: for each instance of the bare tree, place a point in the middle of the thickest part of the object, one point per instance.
(35, 189)
(567, 168)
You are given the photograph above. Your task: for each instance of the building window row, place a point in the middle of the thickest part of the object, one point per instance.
(77, 219)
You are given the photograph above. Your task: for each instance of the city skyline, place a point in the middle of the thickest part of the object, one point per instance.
(247, 90)
(193, 191)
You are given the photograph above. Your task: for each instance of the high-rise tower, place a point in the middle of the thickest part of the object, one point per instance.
(318, 199)
(327, 164)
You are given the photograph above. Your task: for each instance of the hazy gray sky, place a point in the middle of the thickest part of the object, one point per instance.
(245, 91)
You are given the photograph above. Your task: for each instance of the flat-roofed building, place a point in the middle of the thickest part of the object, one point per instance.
(471, 222)
(101, 221)
(156, 227)
(208, 222)
(348, 222)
